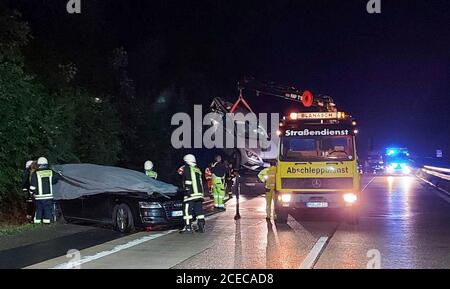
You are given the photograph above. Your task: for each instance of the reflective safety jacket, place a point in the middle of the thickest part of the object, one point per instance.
(152, 174)
(180, 170)
(41, 184)
(267, 176)
(208, 173)
(192, 183)
(208, 177)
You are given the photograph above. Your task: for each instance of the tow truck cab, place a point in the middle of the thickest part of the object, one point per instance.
(317, 163)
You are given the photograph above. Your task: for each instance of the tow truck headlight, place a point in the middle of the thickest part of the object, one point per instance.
(350, 198)
(285, 198)
(149, 205)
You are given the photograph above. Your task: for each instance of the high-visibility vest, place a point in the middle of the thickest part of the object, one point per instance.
(193, 183)
(44, 185)
(152, 174)
(268, 177)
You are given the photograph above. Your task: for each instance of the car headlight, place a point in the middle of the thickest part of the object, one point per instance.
(350, 198)
(406, 169)
(150, 205)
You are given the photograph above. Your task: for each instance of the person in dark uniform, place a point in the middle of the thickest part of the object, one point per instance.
(30, 167)
(229, 179)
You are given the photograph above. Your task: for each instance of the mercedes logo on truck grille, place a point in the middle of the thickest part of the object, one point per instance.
(316, 183)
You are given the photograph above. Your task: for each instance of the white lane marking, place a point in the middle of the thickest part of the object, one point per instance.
(118, 248)
(365, 187)
(314, 254)
(445, 196)
(318, 248)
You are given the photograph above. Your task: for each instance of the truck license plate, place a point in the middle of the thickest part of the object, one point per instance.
(177, 213)
(317, 205)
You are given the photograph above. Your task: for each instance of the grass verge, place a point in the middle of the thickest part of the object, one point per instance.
(12, 229)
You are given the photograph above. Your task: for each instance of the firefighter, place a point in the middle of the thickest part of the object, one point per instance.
(267, 176)
(26, 177)
(41, 187)
(193, 195)
(29, 168)
(218, 171)
(148, 167)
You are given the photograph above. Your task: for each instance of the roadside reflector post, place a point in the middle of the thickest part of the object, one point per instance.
(237, 216)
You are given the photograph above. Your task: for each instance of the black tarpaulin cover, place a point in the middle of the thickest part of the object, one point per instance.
(86, 179)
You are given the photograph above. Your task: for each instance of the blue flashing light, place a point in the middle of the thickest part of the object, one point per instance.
(391, 152)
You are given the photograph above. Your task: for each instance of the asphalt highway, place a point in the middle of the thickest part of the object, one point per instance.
(404, 224)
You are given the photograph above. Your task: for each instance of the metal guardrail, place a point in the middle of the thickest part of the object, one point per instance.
(442, 173)
(437, 177)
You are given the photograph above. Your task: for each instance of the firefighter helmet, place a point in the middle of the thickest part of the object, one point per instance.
(148, 165)
(190, 160)
(42, 161)
(28, 164)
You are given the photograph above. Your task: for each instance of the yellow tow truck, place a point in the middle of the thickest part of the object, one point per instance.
(317, 164)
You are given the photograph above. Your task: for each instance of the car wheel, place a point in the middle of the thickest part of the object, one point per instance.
(59, 215)
(123, 219)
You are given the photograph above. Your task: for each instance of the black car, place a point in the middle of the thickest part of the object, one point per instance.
(125, 211)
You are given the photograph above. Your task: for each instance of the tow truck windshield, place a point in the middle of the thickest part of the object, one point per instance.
(298, 149)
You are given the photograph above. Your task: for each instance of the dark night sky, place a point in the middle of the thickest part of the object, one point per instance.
(391, 71)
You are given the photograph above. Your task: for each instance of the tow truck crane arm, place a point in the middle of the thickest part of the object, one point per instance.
(305, 97)
(323, 103)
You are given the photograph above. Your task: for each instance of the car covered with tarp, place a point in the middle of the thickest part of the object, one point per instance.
(120, 197)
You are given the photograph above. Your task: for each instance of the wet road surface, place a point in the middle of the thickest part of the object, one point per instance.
(404, 224)
(40, 244)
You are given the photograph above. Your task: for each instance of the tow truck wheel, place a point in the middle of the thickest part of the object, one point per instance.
(282, 216)
(123, 219)
(352, 217)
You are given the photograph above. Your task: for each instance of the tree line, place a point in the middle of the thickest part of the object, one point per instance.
(49, 106)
